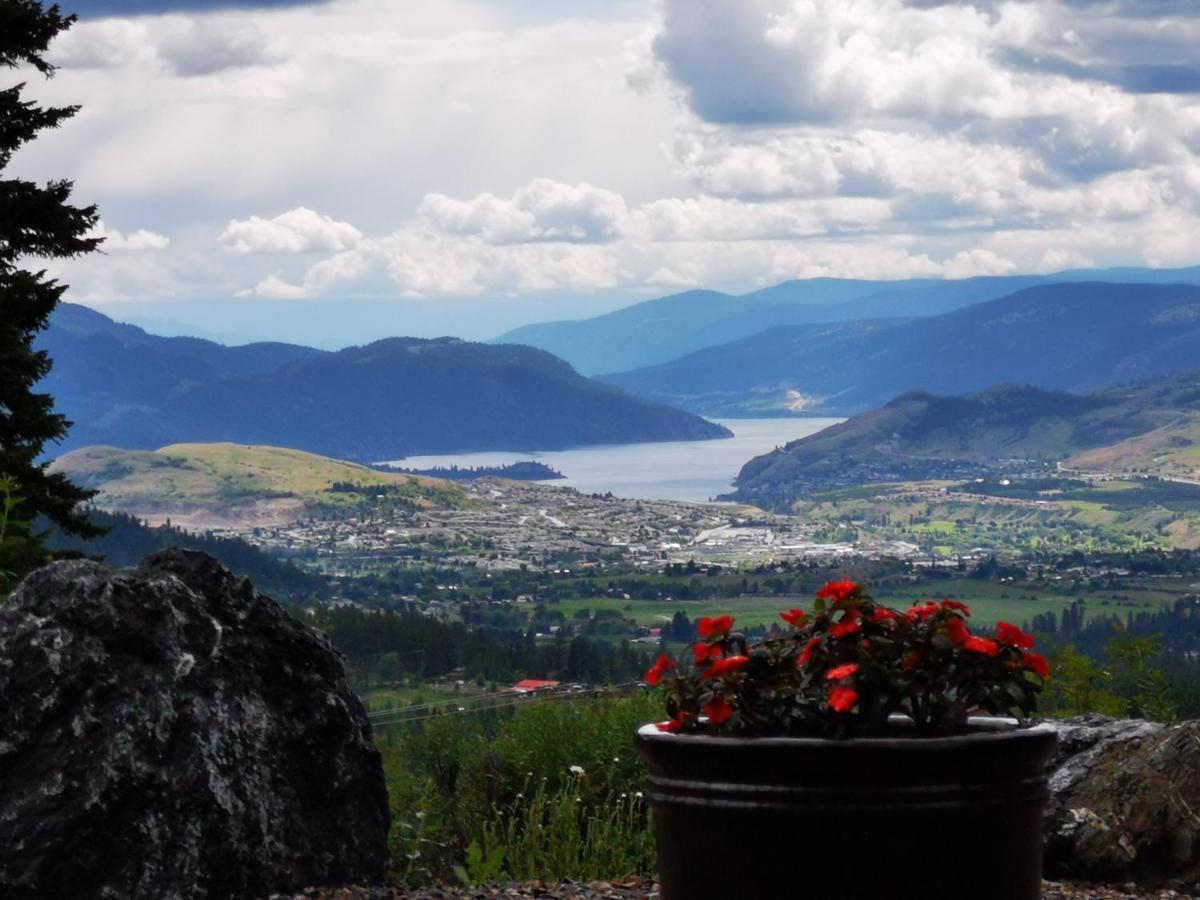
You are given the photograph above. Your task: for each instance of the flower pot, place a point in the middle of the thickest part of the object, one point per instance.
(889, 817)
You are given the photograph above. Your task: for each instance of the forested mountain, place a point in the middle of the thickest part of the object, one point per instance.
(663, 329)
(1068, 336)
(124, 387)
(919, 436)
(127, 540)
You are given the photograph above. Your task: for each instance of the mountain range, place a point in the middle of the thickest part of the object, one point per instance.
(1149, 428)
(1068, 336)
(394, 397)
(656, 331)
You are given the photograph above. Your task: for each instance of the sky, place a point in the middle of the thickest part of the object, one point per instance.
(333, 170)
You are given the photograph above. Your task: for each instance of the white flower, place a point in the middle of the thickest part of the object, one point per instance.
(576, 770)
(616, 759)
(638, 795)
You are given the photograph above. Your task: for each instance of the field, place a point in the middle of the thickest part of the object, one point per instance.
(989, 602)
(945, 518)
(220, 481)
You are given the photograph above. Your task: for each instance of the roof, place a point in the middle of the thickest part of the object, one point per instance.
(533, 684)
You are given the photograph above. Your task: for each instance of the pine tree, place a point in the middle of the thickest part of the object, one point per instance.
(36, 222)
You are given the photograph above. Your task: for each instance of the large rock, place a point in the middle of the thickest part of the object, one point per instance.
(1125, 802)
(167, 732)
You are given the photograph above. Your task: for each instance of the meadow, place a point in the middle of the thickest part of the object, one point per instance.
(989, 601)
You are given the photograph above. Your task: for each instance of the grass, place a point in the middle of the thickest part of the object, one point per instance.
(549, 790)
(990, 602)
(219, 475)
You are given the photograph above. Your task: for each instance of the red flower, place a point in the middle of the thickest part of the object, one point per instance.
(1038, 663)
(838, 590)
(883, 614)
(725, 666)
(706, 652)
(718, 711)
(842, 698)
(921, 611)
(956, 604)
(714, 627)
(794, 617)
(912, 660)
(848, 624)
(957, 629)
(661, 665)
(672, 724)
(986, 646)
(865, 644)
(807, 652)
(1013, 636)
(839, 672)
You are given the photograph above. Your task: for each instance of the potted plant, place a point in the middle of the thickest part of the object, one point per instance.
(866, 752)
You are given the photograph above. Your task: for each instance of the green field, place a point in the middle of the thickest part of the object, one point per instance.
(220, 475)
(989, 602)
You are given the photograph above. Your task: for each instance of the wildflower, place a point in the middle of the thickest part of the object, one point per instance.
(661, 665)
(714, 627)
(1013, 636)
(575, 770)
(957, 605)
(638, 794)
(883, 614)
(839, 672)
(838, 590)
(842, 698)
(725, 666)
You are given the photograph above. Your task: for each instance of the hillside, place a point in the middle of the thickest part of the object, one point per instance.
(1067, 336)
(399, 396)
(919, 436)
(685, 323)
(211, 483)
(127, 541)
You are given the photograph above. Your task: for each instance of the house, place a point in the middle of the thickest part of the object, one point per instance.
(533, 686)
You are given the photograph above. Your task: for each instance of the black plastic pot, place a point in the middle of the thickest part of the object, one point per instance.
(878, 818)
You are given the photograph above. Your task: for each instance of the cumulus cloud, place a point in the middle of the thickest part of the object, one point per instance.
(300, 230)
(134, 240)
(730, 143)
(181, 45)
(204, 46)
(543, 210)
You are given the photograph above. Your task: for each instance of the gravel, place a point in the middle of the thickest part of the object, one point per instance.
(639, 889)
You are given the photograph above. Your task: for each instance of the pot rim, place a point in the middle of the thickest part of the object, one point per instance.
(987, 729)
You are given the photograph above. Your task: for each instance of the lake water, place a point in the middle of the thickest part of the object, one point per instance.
(671, 470)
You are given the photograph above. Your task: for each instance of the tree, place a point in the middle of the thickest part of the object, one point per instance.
(36, 222)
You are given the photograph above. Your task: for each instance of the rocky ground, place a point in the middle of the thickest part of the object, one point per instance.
(639, 889)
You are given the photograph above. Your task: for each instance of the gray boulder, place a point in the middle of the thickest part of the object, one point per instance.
(168, 732)
(1125, 802)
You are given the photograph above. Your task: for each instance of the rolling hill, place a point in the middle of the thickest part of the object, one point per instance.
(920, 436)
(666, 328)
(233, 482)
(1067, 336)
(399, 396)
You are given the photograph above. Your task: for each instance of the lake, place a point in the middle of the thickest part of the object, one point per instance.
(669, 470)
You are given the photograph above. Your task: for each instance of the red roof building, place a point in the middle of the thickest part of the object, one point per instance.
(533, 685)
